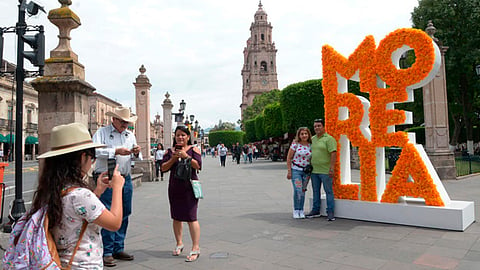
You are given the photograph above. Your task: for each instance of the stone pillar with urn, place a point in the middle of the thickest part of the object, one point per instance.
(62, 91)
(142, 130)
(167, 121)
(435, 107)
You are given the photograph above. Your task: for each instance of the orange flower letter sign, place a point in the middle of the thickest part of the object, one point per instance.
(370, 124)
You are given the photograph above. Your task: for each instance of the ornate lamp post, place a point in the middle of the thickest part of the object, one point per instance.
(179, 115)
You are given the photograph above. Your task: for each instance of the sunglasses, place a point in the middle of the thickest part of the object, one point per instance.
(91, 154)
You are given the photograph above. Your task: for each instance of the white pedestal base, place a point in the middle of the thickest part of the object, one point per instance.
(458, 215)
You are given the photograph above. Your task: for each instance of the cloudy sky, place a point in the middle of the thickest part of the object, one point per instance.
(194, 48)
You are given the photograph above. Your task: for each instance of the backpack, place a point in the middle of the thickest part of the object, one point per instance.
(31, 245)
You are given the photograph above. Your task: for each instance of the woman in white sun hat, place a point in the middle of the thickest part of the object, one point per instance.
(63, 187)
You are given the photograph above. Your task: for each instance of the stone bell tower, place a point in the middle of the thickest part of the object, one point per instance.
(259, 72)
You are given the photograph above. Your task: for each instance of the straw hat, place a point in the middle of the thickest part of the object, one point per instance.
(123, 114)
(69, 138)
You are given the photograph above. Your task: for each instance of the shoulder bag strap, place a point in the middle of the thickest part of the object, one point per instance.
(84, 228)
(82, 231)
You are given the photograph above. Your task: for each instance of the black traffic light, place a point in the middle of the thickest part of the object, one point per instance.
(37, 42)
(1, 47)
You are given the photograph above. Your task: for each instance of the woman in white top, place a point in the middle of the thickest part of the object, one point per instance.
(159, 152)
(63, 187)
(298, 158)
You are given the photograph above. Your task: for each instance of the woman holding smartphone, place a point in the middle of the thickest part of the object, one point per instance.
(64, 189)
(183, 204)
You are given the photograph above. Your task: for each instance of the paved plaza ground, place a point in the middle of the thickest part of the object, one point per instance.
(246, 223)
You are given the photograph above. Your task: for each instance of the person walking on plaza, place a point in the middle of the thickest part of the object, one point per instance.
(324, 157)
(250, 153)
(222, 152)
(298, 158)
(121, 145)
(238, 152)
(159, 152)
(183, 204)
(72, 205)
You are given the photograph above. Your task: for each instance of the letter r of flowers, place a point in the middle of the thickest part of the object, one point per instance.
(370, 125)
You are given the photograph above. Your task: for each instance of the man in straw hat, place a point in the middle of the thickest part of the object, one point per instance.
(121, 145)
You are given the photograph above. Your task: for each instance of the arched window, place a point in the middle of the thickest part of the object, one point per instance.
(263, 37)
(263, 66)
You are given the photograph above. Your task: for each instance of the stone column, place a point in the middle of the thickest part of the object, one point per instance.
(142, 105)
(167, 121)
(435, 106)
(142, 131)
(62, 91)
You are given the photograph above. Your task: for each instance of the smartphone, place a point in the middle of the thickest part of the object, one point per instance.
(178, 146)
(111, 163)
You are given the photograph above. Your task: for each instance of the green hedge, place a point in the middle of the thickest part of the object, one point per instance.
(273, 123)
(260, 127)
(250, 134)
(301, 103)
(227, 137)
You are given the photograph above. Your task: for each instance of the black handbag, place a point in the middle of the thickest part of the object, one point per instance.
(307, 169)
(184, 169)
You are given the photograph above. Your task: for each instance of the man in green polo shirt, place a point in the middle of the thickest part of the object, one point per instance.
(324, 156)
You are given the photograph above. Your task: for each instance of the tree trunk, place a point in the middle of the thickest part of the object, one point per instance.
(457, 128)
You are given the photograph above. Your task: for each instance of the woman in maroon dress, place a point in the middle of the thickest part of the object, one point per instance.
(183, 204)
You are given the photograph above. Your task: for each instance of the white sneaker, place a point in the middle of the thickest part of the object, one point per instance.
(301, 214)
(296, 214)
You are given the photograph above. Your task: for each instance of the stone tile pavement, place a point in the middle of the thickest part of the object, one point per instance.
(246, 223)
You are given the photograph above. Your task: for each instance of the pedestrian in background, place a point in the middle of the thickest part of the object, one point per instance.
(183, 204)
(159, 152)
(222, 152)
(324, 157)
(122, 146)
(250, 152)
(298, 158)
(64, 189)
(238, 152)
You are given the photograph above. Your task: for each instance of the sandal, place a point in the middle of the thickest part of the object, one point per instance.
(192, 253)
(178, 250)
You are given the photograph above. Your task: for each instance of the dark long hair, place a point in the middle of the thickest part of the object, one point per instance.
(58, 172)
(183, 129)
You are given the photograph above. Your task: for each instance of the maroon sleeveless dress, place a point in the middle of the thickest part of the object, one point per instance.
(183, 204)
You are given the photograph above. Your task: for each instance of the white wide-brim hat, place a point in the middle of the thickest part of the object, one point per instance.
(123, 114)
(69, 138)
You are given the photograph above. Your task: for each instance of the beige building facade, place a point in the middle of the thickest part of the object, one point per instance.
(8, 115)
(259, 72)
(99, 105)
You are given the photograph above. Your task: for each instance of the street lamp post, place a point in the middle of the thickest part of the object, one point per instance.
(179, 115)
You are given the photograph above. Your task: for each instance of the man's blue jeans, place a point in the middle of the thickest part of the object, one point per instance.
(114, 242)
(299, 180)
(317, 180)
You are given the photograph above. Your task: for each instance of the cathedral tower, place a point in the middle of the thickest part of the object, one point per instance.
(259, 72)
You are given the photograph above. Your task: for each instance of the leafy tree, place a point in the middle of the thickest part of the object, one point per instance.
(259, 103)
(458, 24)
(250, 133)
(260, 127)
(223, 126)
(301, 103)
(273, 120)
